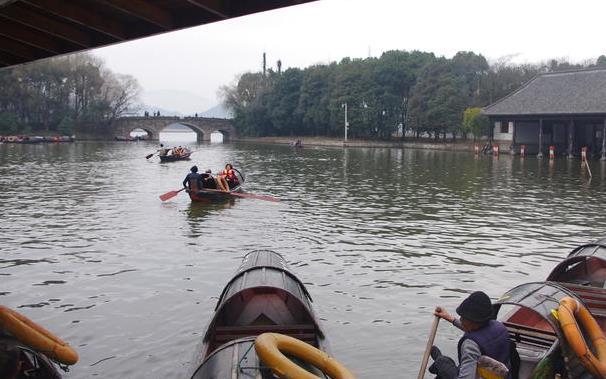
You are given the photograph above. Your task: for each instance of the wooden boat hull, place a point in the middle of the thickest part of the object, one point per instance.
(173, 158)
(206, 196)
(262, 297)
(213, 196)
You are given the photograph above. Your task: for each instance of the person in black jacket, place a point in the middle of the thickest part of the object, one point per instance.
(483, 336)
(193, 180)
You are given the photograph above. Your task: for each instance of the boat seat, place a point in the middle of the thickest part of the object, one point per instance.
(529, 336)
(304, 332)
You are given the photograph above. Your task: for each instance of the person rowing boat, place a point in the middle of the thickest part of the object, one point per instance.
(483, 337)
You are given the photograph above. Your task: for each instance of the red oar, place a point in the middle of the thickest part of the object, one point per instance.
(245, 195)
(170, 195)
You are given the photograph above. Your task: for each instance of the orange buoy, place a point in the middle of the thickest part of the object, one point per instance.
(570, 311)
(269, 347)
(36, 337)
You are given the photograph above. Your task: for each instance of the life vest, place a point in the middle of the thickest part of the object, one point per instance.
(229, 174)
(493, 341)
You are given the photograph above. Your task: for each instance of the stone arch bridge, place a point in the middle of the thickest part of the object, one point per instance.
(202, 126)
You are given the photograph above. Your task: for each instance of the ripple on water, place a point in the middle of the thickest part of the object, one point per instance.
(379, 236)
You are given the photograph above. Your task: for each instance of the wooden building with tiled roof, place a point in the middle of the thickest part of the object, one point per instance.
(562, 109)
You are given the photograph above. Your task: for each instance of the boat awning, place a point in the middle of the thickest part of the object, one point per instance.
(541, 297)
(570, 268)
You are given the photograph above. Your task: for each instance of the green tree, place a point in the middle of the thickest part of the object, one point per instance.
(474, 122)
(9, 123)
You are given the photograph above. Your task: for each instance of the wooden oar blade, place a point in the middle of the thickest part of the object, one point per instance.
(169, 195)
(149, 155)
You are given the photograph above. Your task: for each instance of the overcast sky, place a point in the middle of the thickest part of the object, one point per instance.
(182, 69)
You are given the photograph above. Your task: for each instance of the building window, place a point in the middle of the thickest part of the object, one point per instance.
(504, 127)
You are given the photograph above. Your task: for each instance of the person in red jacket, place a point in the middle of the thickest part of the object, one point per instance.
(227, 177)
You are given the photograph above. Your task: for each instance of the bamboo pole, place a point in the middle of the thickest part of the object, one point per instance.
(432, 336)
(588, 169)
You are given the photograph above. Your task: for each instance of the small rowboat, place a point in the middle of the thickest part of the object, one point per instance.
(172, 158)
(210, 192)
(263, 296)
(537, 317)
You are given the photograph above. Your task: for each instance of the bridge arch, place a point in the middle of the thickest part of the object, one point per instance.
(202, 126)
(200, 132)
(150, 134)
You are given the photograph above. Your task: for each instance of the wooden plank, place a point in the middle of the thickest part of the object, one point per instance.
(24, 34)
(306, 337)
(9, 59)
(47, 25)
(212, 6)
(264, 328)
(86, 17)
(531, 336)
(19, 49)
(144, 10)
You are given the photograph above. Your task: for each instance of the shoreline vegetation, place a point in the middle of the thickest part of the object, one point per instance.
(411, 92)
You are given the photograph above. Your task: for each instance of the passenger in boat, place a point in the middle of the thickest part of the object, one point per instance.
(208, 181)
(193, 181)
(483, 337)
(227, 178)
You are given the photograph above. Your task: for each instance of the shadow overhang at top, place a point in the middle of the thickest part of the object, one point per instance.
(37, 29)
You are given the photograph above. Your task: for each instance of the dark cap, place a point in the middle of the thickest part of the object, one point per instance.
(194, 169)
(477, 307)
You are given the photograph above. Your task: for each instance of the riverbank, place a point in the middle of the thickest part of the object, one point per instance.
(461, 145)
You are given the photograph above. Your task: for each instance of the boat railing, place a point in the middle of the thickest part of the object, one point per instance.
(529, 336)
(594, 298)
(304, 332)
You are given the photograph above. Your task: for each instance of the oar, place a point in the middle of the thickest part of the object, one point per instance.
(432, 336)
(149, 155)
(170, 195)
(588, 169)
(245, 195)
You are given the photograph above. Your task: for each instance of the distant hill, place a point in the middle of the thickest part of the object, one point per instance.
(218, 111)
(182, 102)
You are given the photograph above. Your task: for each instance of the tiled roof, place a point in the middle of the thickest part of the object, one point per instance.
(569, 92)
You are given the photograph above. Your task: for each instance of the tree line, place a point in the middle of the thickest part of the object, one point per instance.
(413, 91)
(53, 96)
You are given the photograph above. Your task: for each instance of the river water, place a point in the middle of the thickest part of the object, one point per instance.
(379, 236)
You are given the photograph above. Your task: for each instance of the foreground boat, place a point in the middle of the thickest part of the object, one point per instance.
(559, 323)
(262, 297)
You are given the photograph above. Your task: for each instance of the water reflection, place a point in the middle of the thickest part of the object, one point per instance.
(379, 236)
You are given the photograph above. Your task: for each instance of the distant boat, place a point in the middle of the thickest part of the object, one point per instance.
(180, 156)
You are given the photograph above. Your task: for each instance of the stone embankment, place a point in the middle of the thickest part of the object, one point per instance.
(461, 145)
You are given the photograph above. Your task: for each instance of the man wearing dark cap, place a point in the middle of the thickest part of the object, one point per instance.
(483, 337)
